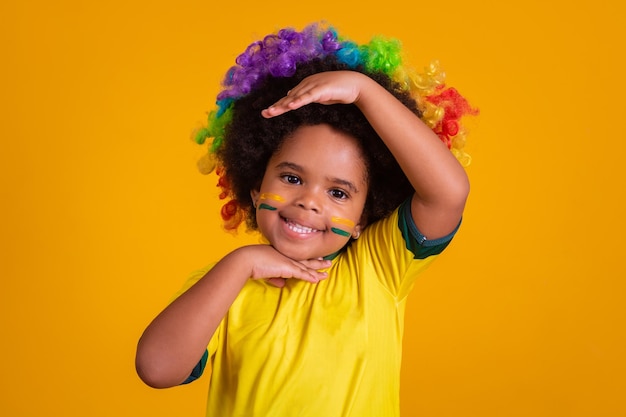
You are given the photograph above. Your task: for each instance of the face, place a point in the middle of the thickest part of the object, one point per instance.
(313, 193)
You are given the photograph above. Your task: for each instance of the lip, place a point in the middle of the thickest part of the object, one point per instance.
(299, 229)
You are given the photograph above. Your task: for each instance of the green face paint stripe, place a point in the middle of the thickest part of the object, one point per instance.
(339, 232)
(264, 206)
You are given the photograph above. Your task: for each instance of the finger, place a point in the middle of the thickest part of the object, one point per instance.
(296, 98)
(307, 274)
(282, 106)
(309, 277)
(277, 282)
(273, 111)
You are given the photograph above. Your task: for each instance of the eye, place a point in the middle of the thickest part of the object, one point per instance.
(292, 179)
(338, 194)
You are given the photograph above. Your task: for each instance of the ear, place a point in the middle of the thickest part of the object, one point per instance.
(254, 194)
(356, 233)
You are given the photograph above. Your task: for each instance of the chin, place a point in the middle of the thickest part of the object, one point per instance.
(297, 255)
(304, 255)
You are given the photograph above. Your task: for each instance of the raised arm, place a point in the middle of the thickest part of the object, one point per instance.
(174, 342)
(440, 183)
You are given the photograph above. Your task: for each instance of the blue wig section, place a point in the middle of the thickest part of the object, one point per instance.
(350, 54)
(223, 105)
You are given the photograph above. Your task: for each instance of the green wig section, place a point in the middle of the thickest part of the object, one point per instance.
(382, 55)
(215, 128)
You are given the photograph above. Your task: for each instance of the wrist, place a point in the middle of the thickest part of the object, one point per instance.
(242, 261)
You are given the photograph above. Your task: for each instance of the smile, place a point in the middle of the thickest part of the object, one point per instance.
(298, 228)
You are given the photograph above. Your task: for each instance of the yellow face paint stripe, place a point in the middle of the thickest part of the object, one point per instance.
(347, 222)
(270, 196)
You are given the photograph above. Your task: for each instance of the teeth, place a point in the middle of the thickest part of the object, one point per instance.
(299, 228)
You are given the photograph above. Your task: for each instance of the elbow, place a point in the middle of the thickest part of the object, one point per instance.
(464, 189)
(458, 192)
(150, 375)
(155, 377)
(154, 372)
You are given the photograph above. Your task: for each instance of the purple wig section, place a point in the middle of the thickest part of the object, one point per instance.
(277, 55)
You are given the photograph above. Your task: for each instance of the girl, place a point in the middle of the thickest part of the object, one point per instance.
(321, 147)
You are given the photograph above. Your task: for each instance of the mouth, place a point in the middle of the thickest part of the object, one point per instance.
(298, 228)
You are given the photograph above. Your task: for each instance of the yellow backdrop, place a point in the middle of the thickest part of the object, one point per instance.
(104, 214)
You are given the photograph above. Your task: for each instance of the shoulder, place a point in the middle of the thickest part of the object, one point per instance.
(399, 233)
(393, 252)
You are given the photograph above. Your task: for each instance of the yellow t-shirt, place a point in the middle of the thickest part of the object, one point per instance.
(327, 349)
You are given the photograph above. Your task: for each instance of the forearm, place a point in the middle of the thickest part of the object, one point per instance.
(440, 182)
(176, 339)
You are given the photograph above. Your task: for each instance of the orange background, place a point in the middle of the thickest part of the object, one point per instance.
(104, 214)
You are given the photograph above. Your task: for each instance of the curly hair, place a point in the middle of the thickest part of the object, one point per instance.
(243, 141)
(251, 140)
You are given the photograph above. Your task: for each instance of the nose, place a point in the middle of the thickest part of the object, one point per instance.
(309, 199)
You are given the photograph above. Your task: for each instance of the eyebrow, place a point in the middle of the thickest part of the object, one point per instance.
(345, 183)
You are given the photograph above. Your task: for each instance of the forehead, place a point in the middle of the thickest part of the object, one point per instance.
(323, 149)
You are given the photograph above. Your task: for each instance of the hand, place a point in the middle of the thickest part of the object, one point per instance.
(276, 268)
(332, 87)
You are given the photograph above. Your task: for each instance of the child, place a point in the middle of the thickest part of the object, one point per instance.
(320, 147)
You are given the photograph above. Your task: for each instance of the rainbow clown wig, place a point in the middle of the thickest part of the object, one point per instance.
(241, 141)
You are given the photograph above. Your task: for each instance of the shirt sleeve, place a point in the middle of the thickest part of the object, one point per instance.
(420, 246)
(397, 252)
(198, 370)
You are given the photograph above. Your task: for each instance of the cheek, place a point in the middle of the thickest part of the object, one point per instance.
(265, 220)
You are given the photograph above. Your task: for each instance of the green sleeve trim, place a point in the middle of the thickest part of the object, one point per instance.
(199, 368)
(415, 241)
